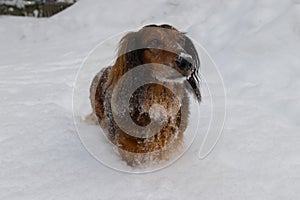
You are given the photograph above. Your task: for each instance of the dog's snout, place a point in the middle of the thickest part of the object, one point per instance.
(184, 62)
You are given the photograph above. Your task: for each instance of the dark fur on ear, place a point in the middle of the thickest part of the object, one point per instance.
(194, 78)
(128, 55)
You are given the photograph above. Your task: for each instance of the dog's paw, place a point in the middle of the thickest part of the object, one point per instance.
(91, 119)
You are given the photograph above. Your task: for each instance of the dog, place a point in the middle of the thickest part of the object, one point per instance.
(156, 48)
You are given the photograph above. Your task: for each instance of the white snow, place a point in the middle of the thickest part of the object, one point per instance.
(256, 46)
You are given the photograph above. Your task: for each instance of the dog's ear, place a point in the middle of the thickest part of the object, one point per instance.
(128, 57)
(129, 53)
(191, 50)
(194, 84)
(194, 78)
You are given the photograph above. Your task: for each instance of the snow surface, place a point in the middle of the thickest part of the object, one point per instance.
(256, 45)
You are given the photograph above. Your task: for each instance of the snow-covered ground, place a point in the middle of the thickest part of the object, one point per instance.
(256, 46)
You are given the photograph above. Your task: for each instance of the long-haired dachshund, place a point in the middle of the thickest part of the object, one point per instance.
(153, 46)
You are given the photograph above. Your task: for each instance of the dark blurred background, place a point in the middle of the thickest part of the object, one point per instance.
(33, 8)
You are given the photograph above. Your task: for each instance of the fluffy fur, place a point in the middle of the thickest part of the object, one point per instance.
(153, 44)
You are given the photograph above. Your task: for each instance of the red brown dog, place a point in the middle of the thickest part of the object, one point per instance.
(164, 104)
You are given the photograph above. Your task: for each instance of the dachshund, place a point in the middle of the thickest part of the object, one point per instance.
(164, 103)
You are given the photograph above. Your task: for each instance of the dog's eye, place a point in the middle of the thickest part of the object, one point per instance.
(154, 43)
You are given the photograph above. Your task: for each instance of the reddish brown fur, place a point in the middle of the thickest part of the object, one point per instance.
(170, 138)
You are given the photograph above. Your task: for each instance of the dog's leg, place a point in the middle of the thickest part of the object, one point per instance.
(92, 118)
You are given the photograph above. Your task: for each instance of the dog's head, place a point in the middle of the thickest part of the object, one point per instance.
(161, 44)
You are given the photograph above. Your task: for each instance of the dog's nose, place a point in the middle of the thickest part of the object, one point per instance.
(184, 62)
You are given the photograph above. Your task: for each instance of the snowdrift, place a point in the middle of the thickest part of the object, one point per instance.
(256, 48)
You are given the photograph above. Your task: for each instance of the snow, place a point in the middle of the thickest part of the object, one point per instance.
(256, 47)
